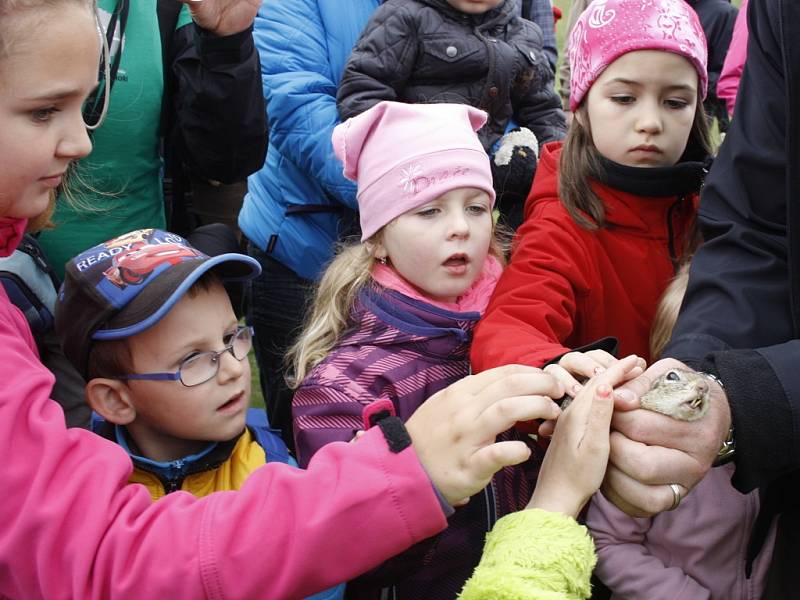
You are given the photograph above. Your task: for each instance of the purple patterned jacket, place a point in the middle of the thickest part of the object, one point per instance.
(405, 350)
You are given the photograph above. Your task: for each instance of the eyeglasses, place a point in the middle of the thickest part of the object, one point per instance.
(204, 366)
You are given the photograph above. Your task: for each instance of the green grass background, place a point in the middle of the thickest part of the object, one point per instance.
(561, 27)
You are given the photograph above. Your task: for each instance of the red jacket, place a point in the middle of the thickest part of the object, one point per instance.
(567, 287)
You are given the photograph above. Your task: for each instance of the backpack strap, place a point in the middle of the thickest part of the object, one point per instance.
(267, 437)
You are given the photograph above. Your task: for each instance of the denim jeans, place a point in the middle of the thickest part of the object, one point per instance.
(276, 307)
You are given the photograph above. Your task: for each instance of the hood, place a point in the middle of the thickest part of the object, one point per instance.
(500, 15)
(11, 232)
(632, 212)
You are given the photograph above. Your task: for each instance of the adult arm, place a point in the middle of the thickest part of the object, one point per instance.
(381, 61)
(625, 564)
(300, 88)
(532, 309)
(219, 120)
(736, 320)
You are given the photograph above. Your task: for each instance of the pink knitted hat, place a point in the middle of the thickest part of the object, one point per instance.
(607, 29)
(405, 155)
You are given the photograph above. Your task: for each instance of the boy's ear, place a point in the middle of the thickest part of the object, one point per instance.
(111, 399)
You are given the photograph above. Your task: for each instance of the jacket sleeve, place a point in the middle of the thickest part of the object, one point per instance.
(719, 32)
(537, 106)
(220, 121)
(72, 526)
(531, 311)
(542, 14)
(626, 566)
(737, 313)
(533, 555)
(728, 82)
(322, 414)
(300, 88)
(381, 62)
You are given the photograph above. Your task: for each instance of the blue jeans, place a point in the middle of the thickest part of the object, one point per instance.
(276, 307)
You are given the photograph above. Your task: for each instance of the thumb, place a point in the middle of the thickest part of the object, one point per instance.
(602, 406)
(627, 396)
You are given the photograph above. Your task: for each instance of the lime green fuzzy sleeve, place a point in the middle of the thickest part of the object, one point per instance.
(533, 555)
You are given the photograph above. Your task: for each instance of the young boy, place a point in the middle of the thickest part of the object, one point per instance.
(146, 319)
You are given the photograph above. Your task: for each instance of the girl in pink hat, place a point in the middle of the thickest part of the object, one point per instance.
(393, 315)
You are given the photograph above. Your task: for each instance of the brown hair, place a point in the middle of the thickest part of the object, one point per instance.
(580, 163)
(112, 358)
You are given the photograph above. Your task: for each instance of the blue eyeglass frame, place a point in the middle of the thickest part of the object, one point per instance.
(176, 376)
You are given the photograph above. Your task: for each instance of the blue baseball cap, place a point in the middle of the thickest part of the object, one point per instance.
(128, 284)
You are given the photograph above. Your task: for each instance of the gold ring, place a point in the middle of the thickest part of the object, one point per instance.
(676, 496)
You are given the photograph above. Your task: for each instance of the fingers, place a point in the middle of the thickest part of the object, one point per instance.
(502, 415)
(490, 459)
(571, 385)
(627, 397)
(586, 364)
(635, 498)
(654, 465)
(527, 382)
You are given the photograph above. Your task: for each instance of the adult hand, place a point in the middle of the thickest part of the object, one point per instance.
(223, 17)
(649, 450)
(454, 431)
(577, 456)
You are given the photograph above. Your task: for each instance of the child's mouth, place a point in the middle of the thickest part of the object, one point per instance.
(232, 404)
(457, 264)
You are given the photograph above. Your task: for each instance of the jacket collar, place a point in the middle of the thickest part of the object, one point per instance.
(11, 232)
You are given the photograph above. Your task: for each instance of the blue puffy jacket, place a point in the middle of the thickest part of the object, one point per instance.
(299, 203)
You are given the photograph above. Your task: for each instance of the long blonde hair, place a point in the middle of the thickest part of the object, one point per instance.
(335, 296)
(667, 312)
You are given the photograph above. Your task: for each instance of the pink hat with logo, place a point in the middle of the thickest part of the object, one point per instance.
(607, 29)
(405, 155)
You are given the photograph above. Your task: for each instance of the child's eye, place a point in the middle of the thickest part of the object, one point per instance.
(477, 209)
(427, 212)
(676, 103)
(42, 115)
(623, 99)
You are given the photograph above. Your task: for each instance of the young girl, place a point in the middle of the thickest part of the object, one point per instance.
(704, 547)
(611, 213)
(393, 315)
(69, 523)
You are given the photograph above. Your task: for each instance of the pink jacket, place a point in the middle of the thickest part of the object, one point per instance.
(696, 552)
(728, 83)
(70, 526)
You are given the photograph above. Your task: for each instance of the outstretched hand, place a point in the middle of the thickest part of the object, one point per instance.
(223, 17)
(649, 450)
(576, 459)
(454, 431)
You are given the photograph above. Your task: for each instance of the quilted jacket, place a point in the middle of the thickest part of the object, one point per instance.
(423, 51)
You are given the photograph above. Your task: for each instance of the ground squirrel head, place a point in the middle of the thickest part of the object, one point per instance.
(678, 393)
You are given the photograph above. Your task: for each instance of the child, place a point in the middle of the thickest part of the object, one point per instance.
(481, 53)
(70, 525)
(152, 302)
(704, 547)
(393, 316)
(612, 211)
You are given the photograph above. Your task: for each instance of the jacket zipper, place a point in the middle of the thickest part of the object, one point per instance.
(673, 255)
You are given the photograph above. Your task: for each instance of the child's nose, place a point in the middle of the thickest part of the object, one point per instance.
(459, 226)
(230, 367)
(649, 119)
(75, 142)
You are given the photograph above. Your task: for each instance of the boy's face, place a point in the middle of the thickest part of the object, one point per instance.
(173, 420)
(474, 7)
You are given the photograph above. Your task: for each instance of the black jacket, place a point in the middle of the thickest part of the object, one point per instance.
(214, 116)
(422, 51)
(741, 315)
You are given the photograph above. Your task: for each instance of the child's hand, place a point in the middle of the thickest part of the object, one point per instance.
(577, 457)
(454, 430)
(575, 367)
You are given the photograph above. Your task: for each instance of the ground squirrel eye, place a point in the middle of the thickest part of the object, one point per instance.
(673, 376)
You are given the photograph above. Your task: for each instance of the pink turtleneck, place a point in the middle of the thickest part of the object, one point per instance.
(11, 232)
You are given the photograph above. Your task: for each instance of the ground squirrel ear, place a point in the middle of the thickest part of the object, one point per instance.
(111, 399)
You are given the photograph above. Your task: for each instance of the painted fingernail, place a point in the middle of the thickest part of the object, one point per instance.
(604, 391)
(598, 370)
(577, 388)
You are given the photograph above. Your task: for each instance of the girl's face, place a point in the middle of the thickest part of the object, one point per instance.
(474, 7)
(43, 82)
(641, 108)
(440, 247)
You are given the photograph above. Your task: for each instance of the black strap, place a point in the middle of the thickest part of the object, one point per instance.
(93, 106)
